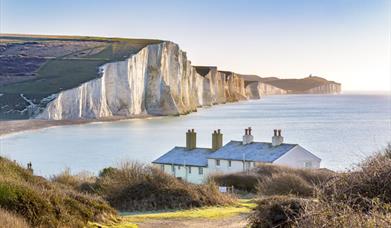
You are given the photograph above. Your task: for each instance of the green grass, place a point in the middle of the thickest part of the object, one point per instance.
(243, 206)
(62, 73)
(57, 75)
(65, 72)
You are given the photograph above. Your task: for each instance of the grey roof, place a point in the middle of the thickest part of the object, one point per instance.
(181, 156)
(256, 151)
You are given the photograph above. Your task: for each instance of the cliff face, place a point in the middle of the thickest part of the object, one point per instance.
(256, 90)
(308, 85)
(158, 80)
(330, 88)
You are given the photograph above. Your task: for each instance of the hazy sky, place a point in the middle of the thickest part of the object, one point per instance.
(344, 40)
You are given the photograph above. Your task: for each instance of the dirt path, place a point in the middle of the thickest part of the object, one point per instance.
(228, 222)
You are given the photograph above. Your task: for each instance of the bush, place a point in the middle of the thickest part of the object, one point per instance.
(81, 182)
(8, 219)
(276, 211)
(248, 181)
(285, 184)
(358, 198)
(329, 213)
(47, 204)
(367, 184)
(134, 187)
(285, 211)
(241, 181)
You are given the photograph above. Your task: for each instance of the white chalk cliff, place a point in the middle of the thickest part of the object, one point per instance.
(158, 80)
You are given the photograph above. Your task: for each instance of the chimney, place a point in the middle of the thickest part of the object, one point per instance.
(191, 139)
(217, 140)
(277, 139)
(247, 137)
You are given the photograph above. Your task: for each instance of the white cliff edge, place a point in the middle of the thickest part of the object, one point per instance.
(158, 80)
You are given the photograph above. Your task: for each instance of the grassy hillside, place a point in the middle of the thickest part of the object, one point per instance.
(45, 204)
(298, 85)
(63, 62)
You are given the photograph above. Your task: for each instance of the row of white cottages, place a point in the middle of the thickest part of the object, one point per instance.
(194, 164)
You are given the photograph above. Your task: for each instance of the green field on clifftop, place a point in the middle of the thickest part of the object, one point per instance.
(72, 64)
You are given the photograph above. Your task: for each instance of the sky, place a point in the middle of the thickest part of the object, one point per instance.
(347, 41)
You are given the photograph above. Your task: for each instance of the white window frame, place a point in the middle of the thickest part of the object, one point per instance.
(218, 162)
(189, 169)
(229, 163)
(200, 171)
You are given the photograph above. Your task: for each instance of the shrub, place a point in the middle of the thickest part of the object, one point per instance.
(285, 211)
(285, 184)
(83, 181)
(358, 198)
(47, 204)
(326, 213)
(240, 181)
(276, 211)
(370, 182)
(139, 187)
(8, 219)
(248, 181)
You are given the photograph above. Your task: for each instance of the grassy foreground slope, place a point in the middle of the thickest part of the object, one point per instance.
(40, 203)
(357, 198)
(72, 64)
(136, 187)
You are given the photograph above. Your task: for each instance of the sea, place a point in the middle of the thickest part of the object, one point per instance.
(340, 129)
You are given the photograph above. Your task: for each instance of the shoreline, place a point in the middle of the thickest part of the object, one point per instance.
(9, 127)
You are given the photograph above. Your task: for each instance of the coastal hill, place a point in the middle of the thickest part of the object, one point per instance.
(71, 77)
(310, 84)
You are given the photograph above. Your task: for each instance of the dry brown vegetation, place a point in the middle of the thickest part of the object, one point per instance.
(45, 204)
(135, 187)
(359, 198)
(272, 179)
(8, 219)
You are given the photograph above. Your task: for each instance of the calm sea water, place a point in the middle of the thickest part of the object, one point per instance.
(341, 129)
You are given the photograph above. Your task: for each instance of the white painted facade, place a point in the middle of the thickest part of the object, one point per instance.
(221, 166)
(298, 157)
(193, 174)
(228, 159)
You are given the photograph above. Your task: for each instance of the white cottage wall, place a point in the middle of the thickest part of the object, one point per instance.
(298, 157)
(183, 173)
(224, 167)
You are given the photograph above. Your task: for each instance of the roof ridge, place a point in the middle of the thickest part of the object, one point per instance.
(264, 142)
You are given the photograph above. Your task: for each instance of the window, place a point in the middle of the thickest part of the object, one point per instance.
(189, 169)
(179, 167)
(200, 170)
(172, 168)
(308, 164)
(217, 162)
(229, 163)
